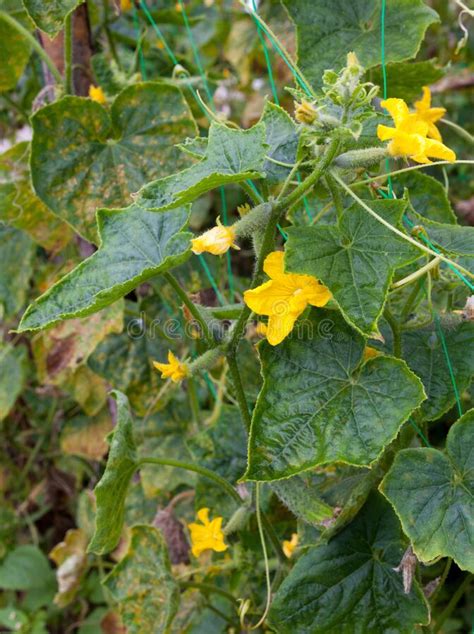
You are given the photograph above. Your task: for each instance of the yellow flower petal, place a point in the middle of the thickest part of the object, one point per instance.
(280, 326)
(397, 109)
(208, 535)
(97, 94)
(217, 240)
(274, 264)
(289, 545)
(435, 149)
(175, 369)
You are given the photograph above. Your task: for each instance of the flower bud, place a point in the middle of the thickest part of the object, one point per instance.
(305, 112)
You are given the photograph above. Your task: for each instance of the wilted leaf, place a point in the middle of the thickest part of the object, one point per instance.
(49, 16)
(61, 350)
(88, 389)
(432, 492)
(135, 245)
(231, 156)
(85, 436)
(13, 365)
(319, 402)
(327, 31)
(83, 158)
(142, 584)
(355, 260)
(19, 205)
(71, 558)
(112, 488)
(350, 584)
(15, 247)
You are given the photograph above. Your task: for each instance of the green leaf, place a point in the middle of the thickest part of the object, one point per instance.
(449, 238)
(15, 247)
(49, 16)
(82, 157)
(231, 156)
(26, 568)
(282, 139)
(355, 260)
(301, 498)
(13, 366)
(125, 360)
(142, 584)
(135, 245)
(320, 404)
(349, 586)
(405, 80)
(19, 205)
(423, 351)
(222, 448)
(432, 492)
(111, 491)
(327, 31)
(427, 196)
(14, 55)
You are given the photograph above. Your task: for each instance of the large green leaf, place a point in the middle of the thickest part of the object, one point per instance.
(449, 238)
(355, 259)
(49, 16)
(26, 568)
(282, 139)
(82, 157)
(135, 245)
(349, 586)
(405, 80)
(422, 349)
(319, 404)
(427, 196)
(14, 55)
(19, 205)
(142, 584)
(15, 248)
(112, 488)
(231, 156)
(327, 31)
(13, 364)
(432, 492)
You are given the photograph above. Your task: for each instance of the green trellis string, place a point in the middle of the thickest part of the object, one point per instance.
(411, 225)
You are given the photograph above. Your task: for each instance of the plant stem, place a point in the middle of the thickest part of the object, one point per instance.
(418, 273)
(187, 466)
(410, 301)
(35, 45)
(440, 585)
(193, 309)
(208, 588)
(399, 233)
(251, 193)
(395, 327)
(460, 131)
(239, 389)
(68, 62)
(193, 399)
(335, 195)
(265, 558)
(409, 169)
(452, 604)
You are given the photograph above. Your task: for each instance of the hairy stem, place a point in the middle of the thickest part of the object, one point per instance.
(193, 309)
(239, 389)
(452, 604)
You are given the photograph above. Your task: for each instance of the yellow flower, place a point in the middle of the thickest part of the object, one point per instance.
(261, 329)
(284, 297)
(97, 94)
(243, 209)
(408, 137)
(305, 112)
(429, 115)
(175, 369)
(217, 240)
(125, 5)
(289, 545)
(208, 535)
